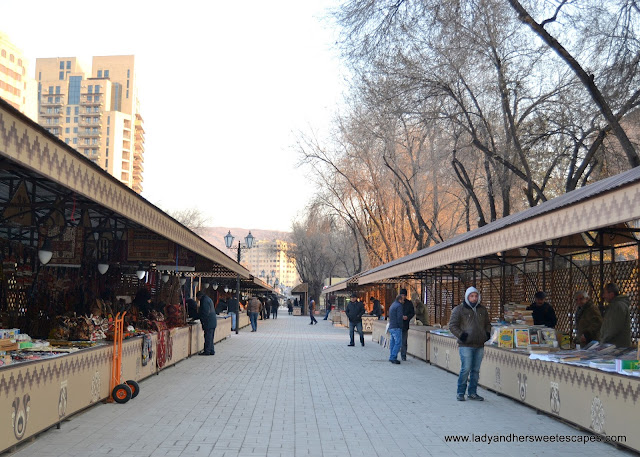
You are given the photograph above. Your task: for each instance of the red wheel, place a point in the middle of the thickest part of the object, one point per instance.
(135, 388)
(121, 393)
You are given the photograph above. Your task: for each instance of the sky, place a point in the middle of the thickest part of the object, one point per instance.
(224, 88)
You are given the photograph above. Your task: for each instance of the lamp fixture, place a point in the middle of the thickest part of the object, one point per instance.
(206, 285)
(249, 240)
(215, 286)
(228, 239)
(140, 272)
(226, 289)
(183, 279)
(45, 252)
(165, 277)
(103, 267)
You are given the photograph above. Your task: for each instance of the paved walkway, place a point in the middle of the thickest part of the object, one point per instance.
(292, 389)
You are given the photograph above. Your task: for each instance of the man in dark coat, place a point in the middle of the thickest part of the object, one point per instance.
(588, 319)
(377, 309)
(543, 313)
(616, 323)
(354, 311)
(208, 320)
(232, 309)
(274, 306)
(407, 314)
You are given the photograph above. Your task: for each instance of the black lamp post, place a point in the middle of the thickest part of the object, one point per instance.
(228, 241)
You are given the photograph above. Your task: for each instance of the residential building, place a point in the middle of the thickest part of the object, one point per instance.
(16, 87)
(268, 260)
(97, 112)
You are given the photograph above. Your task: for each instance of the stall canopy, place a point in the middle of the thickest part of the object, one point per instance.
(49, 190)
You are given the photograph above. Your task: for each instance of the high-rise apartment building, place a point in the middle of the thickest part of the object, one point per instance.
(16, 87)
(96, 112)
(268, 259)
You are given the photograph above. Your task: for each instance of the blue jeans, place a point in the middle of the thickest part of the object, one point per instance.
(233, 321)
(395, 342)
(253, 317)
(470, 360)
(353, 326)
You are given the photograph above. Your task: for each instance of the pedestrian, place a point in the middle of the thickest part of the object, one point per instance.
(354, 311)
(543, 312)
(312, 309)
(377, 309)
(470, 323)
(208, 320)
(254, 308)
(327, 306)
(616, 323)
(407, 314)
(232, 308)
(274, 306)
(395, 315)
(290, 306)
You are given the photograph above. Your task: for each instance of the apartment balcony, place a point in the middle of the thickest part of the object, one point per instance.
(91, 103)
(93, 155)
(60, 113)
(89, 134)
(137, 167)
(139, 147)
(86, 123)
(137, 186)
(44, 102)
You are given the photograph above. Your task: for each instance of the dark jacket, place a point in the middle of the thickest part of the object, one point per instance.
(409, 311)
(232, 306)
(395, 315)
(274, 304)
(207, 313)
(377, 309)
(192, 308)
(354, 311)
(421, 313)
(543, 315)
(616, 324)
(588, 322)
(471, 327)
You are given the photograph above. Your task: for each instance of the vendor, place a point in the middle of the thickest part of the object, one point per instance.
(588, 319)
(421, 313)
(543, 313)
(616, 324)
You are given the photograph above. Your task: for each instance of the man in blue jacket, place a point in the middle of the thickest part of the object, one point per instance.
(208, 320)
(355, 311)
(395, 328)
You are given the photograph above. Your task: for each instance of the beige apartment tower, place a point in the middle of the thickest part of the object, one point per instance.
(97, 112)
(16, 87)
(268, 259)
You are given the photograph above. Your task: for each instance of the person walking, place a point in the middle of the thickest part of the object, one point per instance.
(290, 306)
(312, 309)
(408, 313)
(395, 318)
(274, 306)
(470, 323)
(327, 309)
(208, 320)
(254, 309)
(354, 311)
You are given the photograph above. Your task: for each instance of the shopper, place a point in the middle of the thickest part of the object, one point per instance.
(616, 324)
(470, 323)
(312, 310)
(377, 309)
(208, 320)
(588, 319)
(395, 317)
(290, 306)
(274, 306)
(355, 311)
(232, 308)
(254, 309)
(543, 313)
(408, 313)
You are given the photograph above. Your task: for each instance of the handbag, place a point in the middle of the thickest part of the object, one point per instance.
(386, 330)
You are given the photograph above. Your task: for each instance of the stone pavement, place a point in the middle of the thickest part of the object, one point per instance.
(292, 389)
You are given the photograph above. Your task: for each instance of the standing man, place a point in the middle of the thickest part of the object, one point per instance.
(407, 314)
(354, 311)
(543, 313)
(421, 313)
(616, 324)
(254, 309)
(312, 309)
(471, 325)
(274, 306)
(588, 319)
(395, 328)
(233, 308)
(327, 306)
(377, 309)
(208, 320)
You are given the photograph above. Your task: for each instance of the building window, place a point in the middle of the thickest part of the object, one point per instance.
(4, 53)
(39, 76)
(108, 120)
(68, 120)
(89, 98)
(106, 73)
(127, 83)
(66, 140)
(106, 163)
(68, 65)
(128, 73)
(97, 91)
(57, 90)
(61, 76)
(68, 111)
(75, 130)
(107, 154)
(107, 141)
(75, 119)
(108, 129)
(67, 130)
(62, 65)
(75, 141)
(99, 73)
(127, 93)
(12, 58)
(50, 99)
(57, 99)
(90, 89)
(75, 84)
(50, 90)
(76, 110)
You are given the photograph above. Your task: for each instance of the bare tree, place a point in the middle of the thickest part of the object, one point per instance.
(192, 218)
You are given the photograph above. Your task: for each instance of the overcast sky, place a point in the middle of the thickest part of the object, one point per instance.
(223, 87)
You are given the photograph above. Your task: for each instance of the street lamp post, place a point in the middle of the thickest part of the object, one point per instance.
(228, 241)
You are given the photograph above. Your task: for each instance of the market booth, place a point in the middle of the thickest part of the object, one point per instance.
(79, 249)
(579, 241)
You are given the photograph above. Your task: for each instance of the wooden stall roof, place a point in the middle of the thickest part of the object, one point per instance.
(342, 285)
(605, 203)
(301, 289)
(25, 143)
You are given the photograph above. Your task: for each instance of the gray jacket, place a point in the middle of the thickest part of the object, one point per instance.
(471, 326)
(616, 324)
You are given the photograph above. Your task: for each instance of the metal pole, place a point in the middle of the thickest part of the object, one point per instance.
(238, 294)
